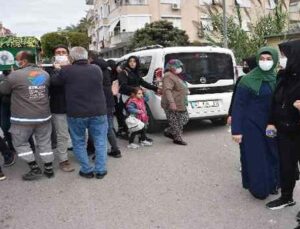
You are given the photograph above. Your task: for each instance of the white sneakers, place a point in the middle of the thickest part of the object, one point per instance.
(146, 143)
(133, 146)
(136, 146)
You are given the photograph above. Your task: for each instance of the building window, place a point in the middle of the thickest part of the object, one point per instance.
(136, 2)
(205, 2)
(170, 1)
(176, 21)
(206, 24)
(243, 3)
(294, 6)
(210, 2)
(271, 4)
(246, 26)
(145, 63)
(133, 23)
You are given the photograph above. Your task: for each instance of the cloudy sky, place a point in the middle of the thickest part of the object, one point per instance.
(36, 17)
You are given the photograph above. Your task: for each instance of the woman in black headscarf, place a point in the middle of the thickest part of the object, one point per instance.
(249, 65)
(130, 79)
(285, 120)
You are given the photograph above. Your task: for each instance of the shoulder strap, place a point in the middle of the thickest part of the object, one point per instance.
(125, 72)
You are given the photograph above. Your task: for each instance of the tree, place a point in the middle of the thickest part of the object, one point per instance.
(159, 33)
(246, 43)
(50, 40)
(81, 27)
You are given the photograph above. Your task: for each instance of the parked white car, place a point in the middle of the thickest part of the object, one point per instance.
(212, 75)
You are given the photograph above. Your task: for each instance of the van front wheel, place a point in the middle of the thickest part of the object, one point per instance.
(219, 121)
(153, 126)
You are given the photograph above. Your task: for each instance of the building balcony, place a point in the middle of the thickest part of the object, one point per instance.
(90, 14)
(123, 37)
(89, 2)
(135, 2)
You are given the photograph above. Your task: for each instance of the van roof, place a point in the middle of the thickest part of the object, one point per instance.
(184, 49)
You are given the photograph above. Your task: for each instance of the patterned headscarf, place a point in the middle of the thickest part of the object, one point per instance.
(173, 64)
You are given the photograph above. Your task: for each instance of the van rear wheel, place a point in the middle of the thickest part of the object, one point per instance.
(219, 121)
(153, 126)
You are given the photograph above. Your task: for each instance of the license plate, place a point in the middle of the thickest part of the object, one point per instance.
(205, 104)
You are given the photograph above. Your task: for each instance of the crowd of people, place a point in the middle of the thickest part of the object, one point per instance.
(71, 106)
(265, 119)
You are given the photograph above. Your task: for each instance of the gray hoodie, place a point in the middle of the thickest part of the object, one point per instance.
(29, 95)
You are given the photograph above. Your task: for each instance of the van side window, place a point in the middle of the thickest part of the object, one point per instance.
(145, 62)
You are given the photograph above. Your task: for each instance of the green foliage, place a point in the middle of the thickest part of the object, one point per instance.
(50, 40)
(81, 27)
(243, 43)
(70, 39)
(19, 42)
(159, 33)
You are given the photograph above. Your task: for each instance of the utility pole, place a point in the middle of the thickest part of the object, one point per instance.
(225, 25)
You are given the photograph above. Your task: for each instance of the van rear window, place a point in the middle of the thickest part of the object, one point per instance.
(205, 68)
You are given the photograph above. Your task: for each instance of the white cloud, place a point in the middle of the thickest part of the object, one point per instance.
(36, 17)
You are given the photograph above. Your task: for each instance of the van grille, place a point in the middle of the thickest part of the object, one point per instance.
(211, 90)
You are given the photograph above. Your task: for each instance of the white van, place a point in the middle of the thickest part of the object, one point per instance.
(212, 75)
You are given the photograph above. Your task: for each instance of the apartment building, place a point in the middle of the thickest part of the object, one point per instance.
(4, 31)
(115, 21)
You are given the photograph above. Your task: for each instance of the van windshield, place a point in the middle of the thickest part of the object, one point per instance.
(205, 68)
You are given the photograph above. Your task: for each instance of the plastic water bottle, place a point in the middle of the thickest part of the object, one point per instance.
(271, 133)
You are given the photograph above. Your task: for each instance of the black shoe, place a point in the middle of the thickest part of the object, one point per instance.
(168, 135)
(86, 175)
(280, 203)
(123, 135)
(274, 192)
(2, 176)
(49, 173)
(180, 142)
(48, 170)
(101, 175)
(298, 217)
(147, 139)
(115, 154)
(9, 161)
(33, 174)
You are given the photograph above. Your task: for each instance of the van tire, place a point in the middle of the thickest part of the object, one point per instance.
(153, 126)
(219, 121)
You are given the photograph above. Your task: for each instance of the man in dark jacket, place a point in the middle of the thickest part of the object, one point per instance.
(30, 113)
(110, 103)
(58, 109)
(86, 109)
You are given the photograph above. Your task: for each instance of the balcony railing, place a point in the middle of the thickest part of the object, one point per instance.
(120, 38)
(135, 2)
(90, 14)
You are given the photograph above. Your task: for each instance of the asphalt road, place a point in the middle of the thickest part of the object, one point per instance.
(161, 187)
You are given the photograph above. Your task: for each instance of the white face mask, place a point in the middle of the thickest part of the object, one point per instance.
(266, 65)
(283, 62)
(61, 59)
(178, 71)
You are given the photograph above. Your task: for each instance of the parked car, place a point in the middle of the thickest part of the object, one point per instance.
(212, 75)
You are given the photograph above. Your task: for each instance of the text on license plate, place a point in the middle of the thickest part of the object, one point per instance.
(205, 104)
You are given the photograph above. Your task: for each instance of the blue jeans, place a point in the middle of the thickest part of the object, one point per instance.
(97, 127)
